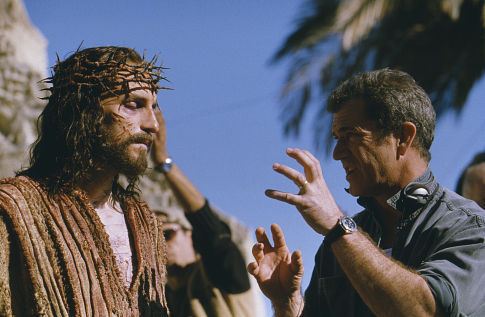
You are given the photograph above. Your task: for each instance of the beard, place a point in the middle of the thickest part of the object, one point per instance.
(115, 153)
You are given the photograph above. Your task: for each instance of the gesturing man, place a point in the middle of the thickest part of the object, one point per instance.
(417, 249)
(74, 242)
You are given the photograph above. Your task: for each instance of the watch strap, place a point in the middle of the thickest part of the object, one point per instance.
(339, 229)
(165, 166)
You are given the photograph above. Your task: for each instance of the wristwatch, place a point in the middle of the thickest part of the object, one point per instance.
(165, 166)
(345, 225)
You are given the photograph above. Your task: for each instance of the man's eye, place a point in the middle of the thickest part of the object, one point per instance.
(131, 105)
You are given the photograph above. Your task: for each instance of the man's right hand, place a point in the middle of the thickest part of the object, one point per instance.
(314, 201)
(278, 272)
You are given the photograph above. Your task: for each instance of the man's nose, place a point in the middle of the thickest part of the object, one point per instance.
(339, 150)
(149, 121)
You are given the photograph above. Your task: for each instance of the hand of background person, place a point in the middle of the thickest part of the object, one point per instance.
(314, 201)
(277, 271)
(186, 192)
(159, 146)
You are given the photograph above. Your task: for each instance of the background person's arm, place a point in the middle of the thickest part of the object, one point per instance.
(222, 259)
(186, 192)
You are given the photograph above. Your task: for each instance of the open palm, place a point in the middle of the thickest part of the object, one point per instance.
(277, 271)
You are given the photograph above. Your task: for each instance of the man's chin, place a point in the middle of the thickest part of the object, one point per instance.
(133, 166)
(134, 171)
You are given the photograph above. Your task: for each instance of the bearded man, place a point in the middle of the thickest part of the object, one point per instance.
(74, 241)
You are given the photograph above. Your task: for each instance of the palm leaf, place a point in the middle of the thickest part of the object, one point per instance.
(440, 43)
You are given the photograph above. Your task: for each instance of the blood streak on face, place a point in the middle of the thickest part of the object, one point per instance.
(127, 129)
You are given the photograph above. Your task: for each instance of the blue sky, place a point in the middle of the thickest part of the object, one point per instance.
(223, 114)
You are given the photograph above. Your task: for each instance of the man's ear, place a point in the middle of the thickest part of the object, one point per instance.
(406, 137)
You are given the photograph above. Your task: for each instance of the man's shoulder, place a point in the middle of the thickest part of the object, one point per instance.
(457, 215)
(460, 204)
(133, 201)
(18, 182)
(137, 203)
(16, 193)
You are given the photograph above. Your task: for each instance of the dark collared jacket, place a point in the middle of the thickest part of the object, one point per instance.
(441, 236)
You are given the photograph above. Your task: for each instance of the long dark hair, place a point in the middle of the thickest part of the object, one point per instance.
(69, 126)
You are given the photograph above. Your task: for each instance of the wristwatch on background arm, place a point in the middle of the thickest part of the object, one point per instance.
(345, 225)
(165, 166)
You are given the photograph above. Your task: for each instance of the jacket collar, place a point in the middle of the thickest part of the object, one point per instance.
(411, 199)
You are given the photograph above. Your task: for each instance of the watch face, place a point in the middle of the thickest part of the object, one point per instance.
(348, 224)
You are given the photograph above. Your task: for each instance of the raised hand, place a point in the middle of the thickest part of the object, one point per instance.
(314, 201)
(159, 147)
(277, 271)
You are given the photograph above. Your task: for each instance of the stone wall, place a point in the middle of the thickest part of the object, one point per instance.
(23, 63)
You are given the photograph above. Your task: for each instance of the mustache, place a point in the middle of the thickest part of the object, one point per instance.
(140, 138)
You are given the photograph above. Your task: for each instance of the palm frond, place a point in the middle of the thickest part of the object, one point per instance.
(312, 29)
(354, 19)
(441, 43)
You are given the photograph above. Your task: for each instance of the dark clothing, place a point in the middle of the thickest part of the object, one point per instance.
(223, 261)
(217, 284)
(441, 237)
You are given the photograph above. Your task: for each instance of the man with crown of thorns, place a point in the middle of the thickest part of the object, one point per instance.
(75, 242)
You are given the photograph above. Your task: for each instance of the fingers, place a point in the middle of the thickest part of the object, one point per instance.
(159, 150)
(297, 177)
(253, 268)
(297, 263)
(264, 245)
(161, 121)
(158, 114)
(285, 197)
(261, 236)
(309, 162)
(160, 118)
(258, 252)
(278, 236)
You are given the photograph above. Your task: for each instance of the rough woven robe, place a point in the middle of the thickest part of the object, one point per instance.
(56, 260)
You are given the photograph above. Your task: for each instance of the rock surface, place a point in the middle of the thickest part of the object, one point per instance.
(23, 63)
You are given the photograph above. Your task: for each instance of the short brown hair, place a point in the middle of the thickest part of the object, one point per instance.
(392, 97)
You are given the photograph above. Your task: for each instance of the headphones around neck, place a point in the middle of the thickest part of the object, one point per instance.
(417, 192)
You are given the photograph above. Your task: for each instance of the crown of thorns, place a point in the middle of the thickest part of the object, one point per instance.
(110, 77)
